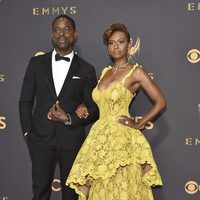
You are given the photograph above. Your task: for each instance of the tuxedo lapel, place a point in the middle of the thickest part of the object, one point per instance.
(48, 73)
(72, 71)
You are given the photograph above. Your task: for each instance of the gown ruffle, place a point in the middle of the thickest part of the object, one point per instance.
(110, 159)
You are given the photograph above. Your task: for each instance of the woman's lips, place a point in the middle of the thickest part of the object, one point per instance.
(116, 52)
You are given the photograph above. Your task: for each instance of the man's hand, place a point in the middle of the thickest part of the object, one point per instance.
(57, 114)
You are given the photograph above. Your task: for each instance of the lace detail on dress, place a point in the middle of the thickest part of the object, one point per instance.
(111, 156)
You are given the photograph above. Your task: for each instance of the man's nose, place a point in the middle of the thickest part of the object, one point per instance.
(61, 32)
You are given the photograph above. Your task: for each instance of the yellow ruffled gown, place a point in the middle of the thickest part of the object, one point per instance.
(110, 158)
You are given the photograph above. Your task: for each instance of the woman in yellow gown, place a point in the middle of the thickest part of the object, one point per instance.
(116, 162)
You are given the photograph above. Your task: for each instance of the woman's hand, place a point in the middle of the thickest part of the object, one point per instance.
(82, 111)
(127, 121)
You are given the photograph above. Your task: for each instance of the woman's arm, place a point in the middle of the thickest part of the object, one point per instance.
(141, 78)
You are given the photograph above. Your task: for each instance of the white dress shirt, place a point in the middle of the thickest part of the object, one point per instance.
(60, 70)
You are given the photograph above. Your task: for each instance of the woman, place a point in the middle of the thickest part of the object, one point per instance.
(115, 161)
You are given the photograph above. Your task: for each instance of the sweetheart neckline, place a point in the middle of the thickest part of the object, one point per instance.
(112, 84)
(115, 83)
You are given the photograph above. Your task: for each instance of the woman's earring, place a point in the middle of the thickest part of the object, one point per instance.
(132, 50)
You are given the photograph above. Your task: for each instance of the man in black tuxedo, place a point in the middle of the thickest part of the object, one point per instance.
(54, 85)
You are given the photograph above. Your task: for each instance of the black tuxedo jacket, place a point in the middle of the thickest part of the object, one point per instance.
(38, 95)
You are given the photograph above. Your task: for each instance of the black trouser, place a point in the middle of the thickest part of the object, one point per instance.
(44, 158)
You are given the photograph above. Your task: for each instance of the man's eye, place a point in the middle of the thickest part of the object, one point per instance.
(55, 30)
(67, 29)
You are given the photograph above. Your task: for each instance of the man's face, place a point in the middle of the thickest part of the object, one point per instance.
(63, 36)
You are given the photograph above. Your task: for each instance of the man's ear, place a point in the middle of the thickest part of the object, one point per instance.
(76, 36)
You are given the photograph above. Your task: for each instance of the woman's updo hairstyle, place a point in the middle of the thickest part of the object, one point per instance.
(112, 29)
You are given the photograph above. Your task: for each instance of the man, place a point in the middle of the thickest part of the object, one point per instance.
(53, 87)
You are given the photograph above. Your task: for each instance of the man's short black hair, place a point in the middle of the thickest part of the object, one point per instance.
(66, 17)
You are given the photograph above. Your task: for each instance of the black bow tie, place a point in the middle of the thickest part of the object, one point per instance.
(58, 57)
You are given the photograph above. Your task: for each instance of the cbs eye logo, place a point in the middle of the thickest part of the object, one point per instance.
(192, 187)
(193, 56)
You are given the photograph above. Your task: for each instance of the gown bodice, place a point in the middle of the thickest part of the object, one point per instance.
(114, 100)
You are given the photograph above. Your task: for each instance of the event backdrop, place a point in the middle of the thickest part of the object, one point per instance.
(170, 51)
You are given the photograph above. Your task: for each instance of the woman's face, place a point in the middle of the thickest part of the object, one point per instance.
(118, 45)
